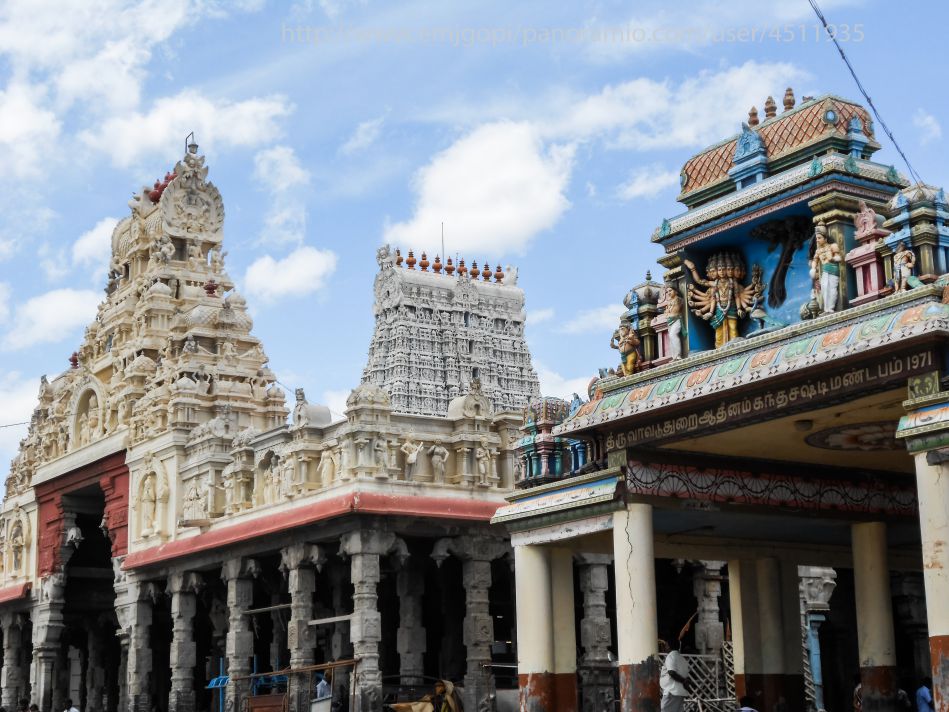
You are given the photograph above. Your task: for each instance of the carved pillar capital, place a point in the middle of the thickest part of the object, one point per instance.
(239, 568)
(301, 555)
(470, 548)
(364, 541)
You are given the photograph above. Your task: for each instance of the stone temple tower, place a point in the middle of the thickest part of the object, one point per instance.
(442, 330)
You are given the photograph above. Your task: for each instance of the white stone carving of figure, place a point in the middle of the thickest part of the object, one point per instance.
(439, 455)
(272, 486)
(217, 259)
(327, 470)
(904, 260)
(380, 449)
(82, 426)
(122, 413)
(411, 452)
(16, 543)
(483, 458)
(195, 258)
(228, 352)
(194, 501)
(228, 487)
(190, 345)
(148, 504)
(92, 421)
(288, 477)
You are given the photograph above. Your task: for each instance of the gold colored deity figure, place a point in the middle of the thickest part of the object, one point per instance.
(904, 260)
(825, 269)
(626, 341)
(725, 300)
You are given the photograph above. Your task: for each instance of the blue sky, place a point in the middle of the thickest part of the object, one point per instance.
(331, 126)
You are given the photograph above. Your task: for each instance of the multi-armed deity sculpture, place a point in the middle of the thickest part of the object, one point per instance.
(724, 301)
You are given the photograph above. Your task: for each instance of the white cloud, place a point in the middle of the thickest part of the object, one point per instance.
(928, 125)
(303, 271)
(28, 131)
(539, 316)
(495, 189)
(4, 302)
(600, 319)
(279, 169)
(50, 317)
(647, 182)
(335, 400)
(18, 396)
(364, 136)
(554, 384)
(131, 137)
(645, 114)
(94, 247)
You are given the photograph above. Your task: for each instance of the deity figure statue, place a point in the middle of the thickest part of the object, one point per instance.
(122, 412)
(195, 258)
(217, 259)
(865, 220)
(190, 345)
(411, 452)
(82, 430)
(288, 477)
(626, 341)
(673, 311)
(518, 468)
(904, 260)
(16, 543)
(483, 460)
(92, 420)
(380, 449)
(439, 455)
(148, 504)
(328, 464)
(228, 486)
(725, 300)
(228, 352)
(825, 268)
(195, 505)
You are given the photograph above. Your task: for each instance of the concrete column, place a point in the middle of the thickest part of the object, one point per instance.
(746, 639)
(771, 630)
(239, 575)
(299, 561)
(410, 638)
(596, 684)
(183, 656)
(13, 683)
(932, 484)
(365, 547)
(875, 637)
(636, 615)
(47, 648)
(535, 633)
(564, 623)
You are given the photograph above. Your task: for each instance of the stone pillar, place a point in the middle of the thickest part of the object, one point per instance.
(636, 616)
(239, 575)
(410, 638)
(817, 586)
(707, 587)
(875, 636)
(365, 547)
(95, 669)
(134, 633)
(13, 683)
(596, 680)
(564, 623)
(183, 588)
(535, 633)
(47, 648)
(299, 562)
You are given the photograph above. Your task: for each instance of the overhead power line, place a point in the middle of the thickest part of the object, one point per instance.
(866, 95)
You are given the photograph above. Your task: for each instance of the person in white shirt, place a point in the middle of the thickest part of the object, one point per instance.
(69, 706)
(673, 679)
(324, 688)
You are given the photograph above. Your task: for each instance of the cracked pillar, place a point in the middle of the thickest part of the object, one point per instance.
(535, 633)
(300, 561)
(183, 588)
(47, 648)
(596, 683)
(410, 638)
(239, 574)
(365, 548)
(13, 683)
(875, 636)
(636, 616)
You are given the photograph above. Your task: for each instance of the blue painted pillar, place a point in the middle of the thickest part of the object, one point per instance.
(814, 619)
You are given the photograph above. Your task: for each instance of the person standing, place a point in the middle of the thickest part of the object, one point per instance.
(69, 706)
(924, 696)
(673, 679)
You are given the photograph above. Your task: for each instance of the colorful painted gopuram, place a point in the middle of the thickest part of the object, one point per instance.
(777, 424)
